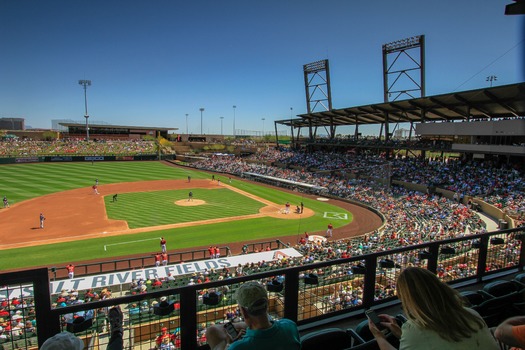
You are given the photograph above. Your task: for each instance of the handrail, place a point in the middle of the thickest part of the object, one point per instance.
(481, 249)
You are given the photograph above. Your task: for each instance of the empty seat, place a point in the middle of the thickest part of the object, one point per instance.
(520, 278)
(371, 344)
(333, 338)
(474, 298)
(363, 336)
(496, 310)
(500, 288)
(363, 331)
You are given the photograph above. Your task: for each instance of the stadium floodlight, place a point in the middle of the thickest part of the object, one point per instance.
(263, 119)
(402, 44)
(202, 110)
(85, 84)
(221, 123)
(492, 78)
(186, 123)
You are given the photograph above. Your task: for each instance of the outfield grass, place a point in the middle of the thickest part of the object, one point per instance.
(27, 181)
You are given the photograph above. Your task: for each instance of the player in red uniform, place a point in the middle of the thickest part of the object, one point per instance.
(157, 259)
(70, 270)
(163, 244)
(329, 230)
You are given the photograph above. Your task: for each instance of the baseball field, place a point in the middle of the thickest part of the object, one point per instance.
(152, 201)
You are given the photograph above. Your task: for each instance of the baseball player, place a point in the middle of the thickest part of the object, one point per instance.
(163, 244)
(70, 271)
(42, 219)
(329, 230)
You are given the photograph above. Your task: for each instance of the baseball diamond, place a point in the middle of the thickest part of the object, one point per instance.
(80, 223)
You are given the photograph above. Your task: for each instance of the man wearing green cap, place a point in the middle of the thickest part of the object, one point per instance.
(257, 331)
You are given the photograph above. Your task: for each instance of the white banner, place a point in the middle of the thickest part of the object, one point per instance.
(123, 277)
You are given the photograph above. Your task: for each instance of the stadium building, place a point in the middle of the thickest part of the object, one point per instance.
(102, 131)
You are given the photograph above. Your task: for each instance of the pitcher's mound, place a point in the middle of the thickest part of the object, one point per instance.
(192, 203)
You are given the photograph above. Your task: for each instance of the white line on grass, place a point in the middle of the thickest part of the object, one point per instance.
(128, 242)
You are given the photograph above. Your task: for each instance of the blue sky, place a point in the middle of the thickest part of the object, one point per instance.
(152, 62)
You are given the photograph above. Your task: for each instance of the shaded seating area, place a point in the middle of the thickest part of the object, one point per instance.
(357, 338)
(502, 299)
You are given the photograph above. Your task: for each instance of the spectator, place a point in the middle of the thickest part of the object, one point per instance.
(64, 340)
(512, 332)
(68, 341)
(436, 316)
(257, 332)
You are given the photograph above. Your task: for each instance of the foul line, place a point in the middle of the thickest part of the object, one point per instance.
(140, 240)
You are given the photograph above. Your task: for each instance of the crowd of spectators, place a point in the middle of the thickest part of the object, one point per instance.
(17, 319)
(373, 141)
(411, 217)
(28, 148)
(501, 186)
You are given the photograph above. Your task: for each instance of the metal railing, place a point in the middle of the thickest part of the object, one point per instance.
(134, 263)
(312, 293)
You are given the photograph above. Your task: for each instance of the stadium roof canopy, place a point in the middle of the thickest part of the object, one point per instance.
(118, 126)
(506, 101)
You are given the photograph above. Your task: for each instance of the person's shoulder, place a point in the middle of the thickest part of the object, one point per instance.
(284, 322)
(413, 334)
(241, 344)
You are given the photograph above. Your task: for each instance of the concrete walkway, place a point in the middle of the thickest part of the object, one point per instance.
(492, 224)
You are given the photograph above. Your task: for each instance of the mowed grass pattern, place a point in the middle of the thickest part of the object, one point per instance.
(25, 181)
(144, 209)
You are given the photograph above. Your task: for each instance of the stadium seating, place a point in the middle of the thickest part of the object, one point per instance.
(473, 298)
(334, 338)
(500, 288)
(503, 300)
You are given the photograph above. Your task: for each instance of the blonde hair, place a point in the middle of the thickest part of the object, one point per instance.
(433, 305)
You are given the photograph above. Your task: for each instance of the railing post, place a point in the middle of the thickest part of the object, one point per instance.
(48, 324)
(291, 295)
(433, 260)
(188, 318)
(370, 280)
(482, 258)
(521, 238)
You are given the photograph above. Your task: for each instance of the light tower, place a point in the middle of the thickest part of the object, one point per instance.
(202, 110)
(85, 84)
(221, 123)
(186, 123)
(263, 119)
(492, 78)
